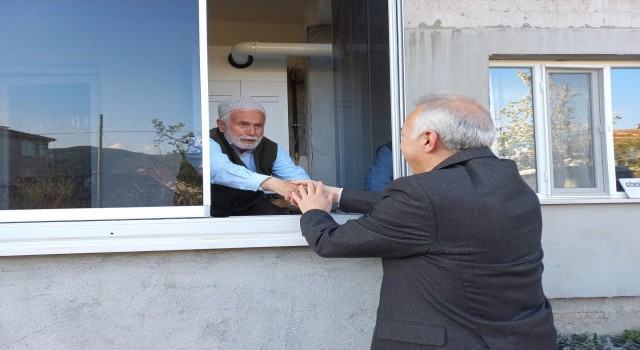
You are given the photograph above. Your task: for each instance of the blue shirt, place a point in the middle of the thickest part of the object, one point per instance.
(380, 172)
(225, 172)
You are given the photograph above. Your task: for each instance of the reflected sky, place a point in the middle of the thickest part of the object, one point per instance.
(506, 86)
(625, 87)
(65, 62)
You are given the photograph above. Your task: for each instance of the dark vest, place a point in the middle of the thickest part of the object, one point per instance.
(226, 201)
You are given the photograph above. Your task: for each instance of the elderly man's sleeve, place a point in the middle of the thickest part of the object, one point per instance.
(401, 224)
(380, 173)
(284, 168)
(225, 172)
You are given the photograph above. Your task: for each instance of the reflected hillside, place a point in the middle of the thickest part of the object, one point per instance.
(69, 179)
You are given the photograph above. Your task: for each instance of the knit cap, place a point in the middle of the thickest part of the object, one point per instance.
(234, 103)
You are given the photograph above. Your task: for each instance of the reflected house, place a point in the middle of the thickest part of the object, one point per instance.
(22, 155)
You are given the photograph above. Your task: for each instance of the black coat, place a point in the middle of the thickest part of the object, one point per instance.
(461, 255)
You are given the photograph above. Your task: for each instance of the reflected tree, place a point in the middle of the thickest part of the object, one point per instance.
(515, 137)
(187, 184)
(571, 139)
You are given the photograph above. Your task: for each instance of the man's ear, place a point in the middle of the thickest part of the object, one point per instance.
(429, 139)
(220, 125)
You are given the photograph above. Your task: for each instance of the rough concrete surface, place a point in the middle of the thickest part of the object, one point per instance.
(233, 299)
(280, 298)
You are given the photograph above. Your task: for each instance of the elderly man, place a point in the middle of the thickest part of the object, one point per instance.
(459, 239)
(244, 163)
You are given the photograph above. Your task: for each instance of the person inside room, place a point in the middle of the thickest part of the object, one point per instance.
(245, 165)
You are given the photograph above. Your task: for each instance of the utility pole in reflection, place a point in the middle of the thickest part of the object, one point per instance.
(99, 166)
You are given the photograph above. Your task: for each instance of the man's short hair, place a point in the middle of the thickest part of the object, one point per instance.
(459, 121)
(229, 105)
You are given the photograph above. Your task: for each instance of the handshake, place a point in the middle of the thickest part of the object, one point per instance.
(306, 194)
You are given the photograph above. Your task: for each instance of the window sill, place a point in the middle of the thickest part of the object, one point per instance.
(110, 236)
(44, 238)
(589, 200)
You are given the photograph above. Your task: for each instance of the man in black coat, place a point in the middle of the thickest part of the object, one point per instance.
(459, 239)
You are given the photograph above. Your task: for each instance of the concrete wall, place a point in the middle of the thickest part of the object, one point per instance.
(218, 299)
(591, 250)
(279, 298)
(448, 43)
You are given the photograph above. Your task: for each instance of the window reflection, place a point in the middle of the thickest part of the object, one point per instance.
(512, 111)
(63, 65)
(570, 115)
(625, 83)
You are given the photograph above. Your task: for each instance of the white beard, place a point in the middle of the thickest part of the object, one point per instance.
(244, 143)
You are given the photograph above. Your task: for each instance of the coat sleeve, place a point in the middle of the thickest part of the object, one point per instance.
(401, 224)
(359, 201)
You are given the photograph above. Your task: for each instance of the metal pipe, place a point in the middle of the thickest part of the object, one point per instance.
(241, 55)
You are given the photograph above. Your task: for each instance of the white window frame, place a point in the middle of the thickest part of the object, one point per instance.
(597, 134)
(542, 137)
(36, 232)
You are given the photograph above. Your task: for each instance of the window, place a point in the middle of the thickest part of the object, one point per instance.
(625, 83)
(512, 110)
(570, 127)
(142, 68)
(33, 149)
(575, 130)
(95, 101)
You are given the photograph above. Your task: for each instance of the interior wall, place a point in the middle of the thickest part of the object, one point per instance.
(223, 35)
(231, 33)
(265, 81)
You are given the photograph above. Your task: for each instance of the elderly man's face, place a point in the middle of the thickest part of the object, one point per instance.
(244, 128)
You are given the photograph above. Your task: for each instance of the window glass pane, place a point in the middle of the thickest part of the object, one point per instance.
(570, 116)
(96, 98)
(512, 111)
(625, 84)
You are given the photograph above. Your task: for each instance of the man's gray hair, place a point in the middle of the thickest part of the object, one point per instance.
(460, 122)
(229, 105)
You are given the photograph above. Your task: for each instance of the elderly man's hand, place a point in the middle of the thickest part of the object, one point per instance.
(281, 187)
(331, 192)
(313, 197)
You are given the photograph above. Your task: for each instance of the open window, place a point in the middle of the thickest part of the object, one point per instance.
(321, 70)
(97, 100)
